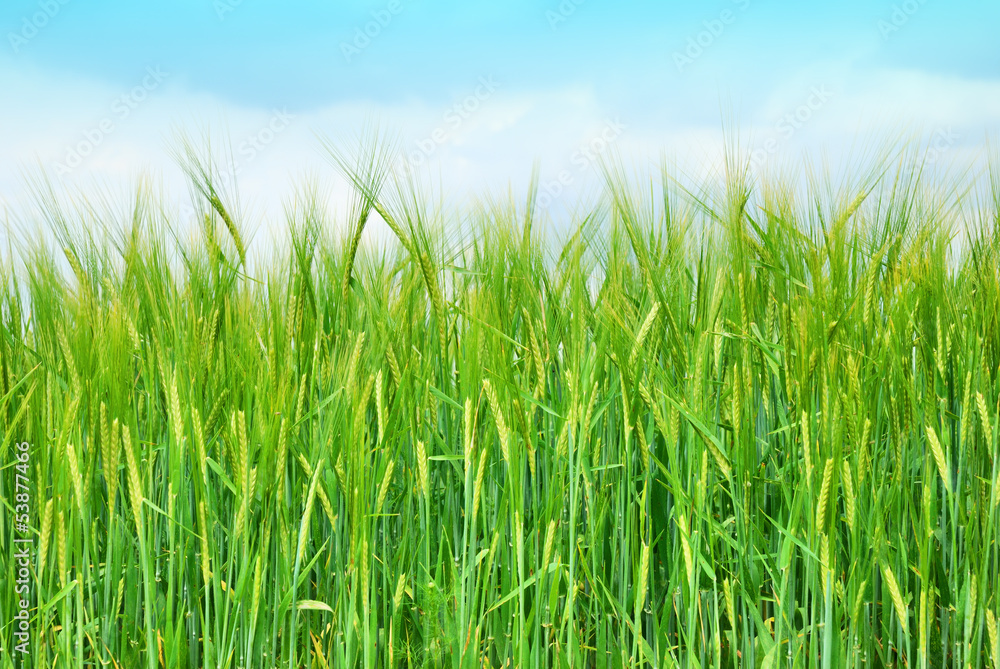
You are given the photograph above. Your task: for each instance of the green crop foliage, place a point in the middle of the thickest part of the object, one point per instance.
(748, 424)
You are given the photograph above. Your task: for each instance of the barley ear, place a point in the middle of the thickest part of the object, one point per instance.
(550, 535)
(939, 458)
(422, 473)
(77, 478)
(134, 482)
(383, 489)
(849, 502)
(984, 416)
(897, 599)
(641, 586)
(727, 591)
(824, 496)
(991, 630)
(498, 417)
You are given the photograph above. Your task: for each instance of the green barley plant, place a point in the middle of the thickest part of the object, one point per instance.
(746, 423)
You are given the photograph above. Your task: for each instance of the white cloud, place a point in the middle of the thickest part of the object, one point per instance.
(47, 116)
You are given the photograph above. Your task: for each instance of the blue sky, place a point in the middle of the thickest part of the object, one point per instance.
(650, 78)
(291, 53)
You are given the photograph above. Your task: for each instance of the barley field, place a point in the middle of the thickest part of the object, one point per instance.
(747, 423)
